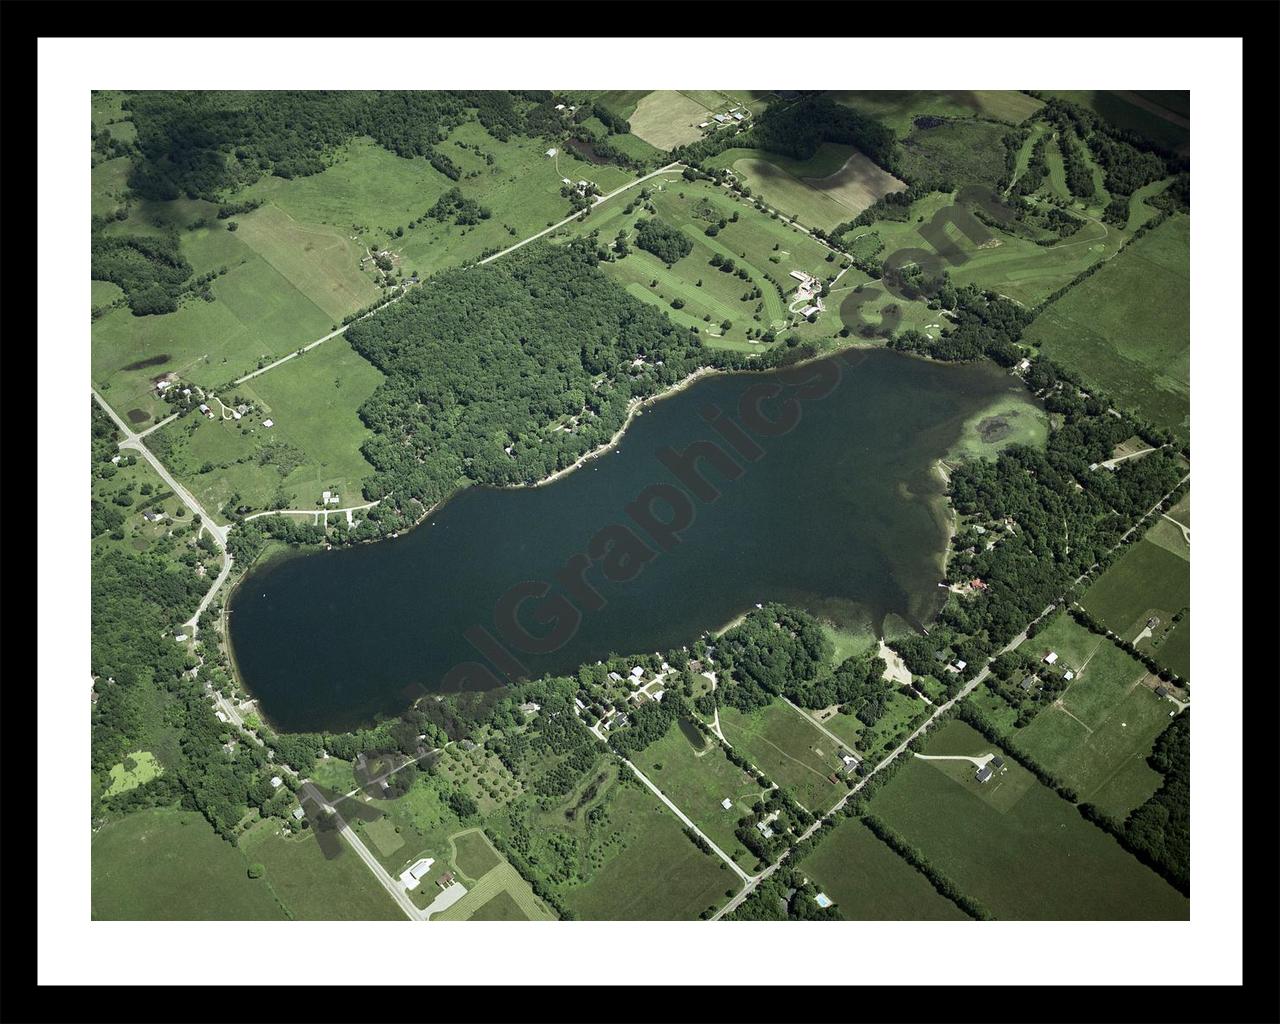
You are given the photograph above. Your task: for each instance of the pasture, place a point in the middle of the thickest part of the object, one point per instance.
(874, 741)
(1015, 845)
(869, 882)
(313, 887)
(654, 873)
(313, 446)
(161, 864)
(1096, 737)
(697, 782)
(899, 109)
(785, 745)
(1126, 329)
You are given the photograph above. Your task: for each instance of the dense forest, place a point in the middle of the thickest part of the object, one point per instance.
(199, 144)
(151, 270)
(502, 374)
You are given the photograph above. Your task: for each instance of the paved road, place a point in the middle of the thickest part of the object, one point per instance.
(569, 220)
(973, 684)
(134, 442)
(392, 885)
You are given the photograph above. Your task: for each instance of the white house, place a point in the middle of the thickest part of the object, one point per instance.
(615, 677)
(637, 672)
(268, 423)
(1051, 657)
(276, 781)
(297, 813)
(1068, 675)
(658, 695)
(415, 872)
(221, 715)
(727, 804)
(551, 152)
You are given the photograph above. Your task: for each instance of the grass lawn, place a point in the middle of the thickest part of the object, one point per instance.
(790, 750)
(313, 887)
(875, 741)
(1181, 512)
(666, 118)
(1126, 329)
(1099, 735)
(869, 882)
(899, 109)
(167, 865)
(697, 782)
(657, 875)
(313, 402)
(1015, 845)
(335, 775)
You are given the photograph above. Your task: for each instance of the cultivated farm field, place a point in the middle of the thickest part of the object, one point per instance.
(869, 882)
(1016, 846)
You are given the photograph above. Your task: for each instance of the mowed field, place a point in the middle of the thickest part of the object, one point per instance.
(834, 185)
(1015, 845)
(1097, 736)
(499, 895)
(899, 109)
(869, 882)
(697, 781)
(169, 865)
(317, 434)
(658, 875)
(790, 750)
(1127, 328)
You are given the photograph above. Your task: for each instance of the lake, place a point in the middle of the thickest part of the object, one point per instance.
(834, 505)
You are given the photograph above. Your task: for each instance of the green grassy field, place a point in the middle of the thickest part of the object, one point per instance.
(1181, 512)
(756, 243)
(1013, 418)
(109, 183)
(697, 782)
(1016, 846)
(257, 314)
(962, 152)
(790, 750)
(335, 775)
(899, 109)
(1151, 579)
(1127, 328)
(313, 887)
(666, 118)
(473, 856)
(313, 402)
(869, 882)
(1097, 737)
(875, 741)
(125, 777)
(834, 185)
(168, 865)
(658, 875)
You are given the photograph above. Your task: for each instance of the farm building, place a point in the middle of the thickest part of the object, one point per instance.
(727, 804)
(809, 311)
(637, 672)
(1051, 657)
(1068, 675)
(997, 763)
(1028, 683)
(415, 872)
(984, 773)
(719, 118)
(1162, 691)
(615, 677)
(297, 813)
(268, 423)
(276, 781)
(551, 152)
(705, 124)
